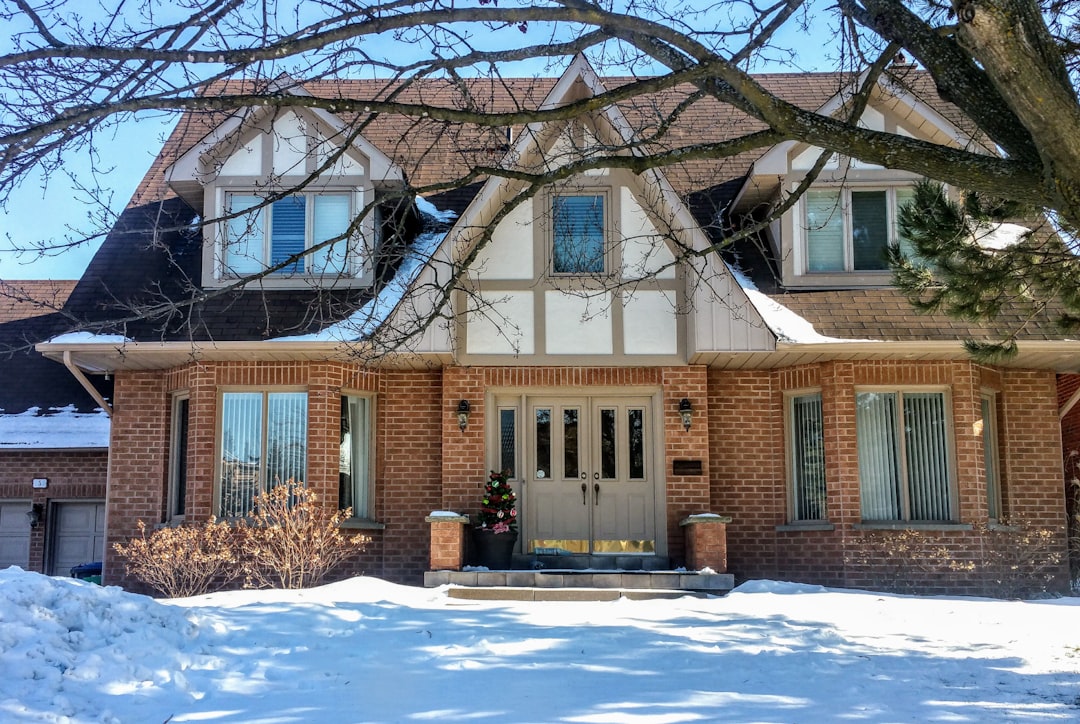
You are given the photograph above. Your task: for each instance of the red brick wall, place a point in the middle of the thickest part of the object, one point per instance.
(72, 476)
(749, 469)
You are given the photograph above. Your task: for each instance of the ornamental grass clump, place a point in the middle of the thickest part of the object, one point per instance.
(498, 507)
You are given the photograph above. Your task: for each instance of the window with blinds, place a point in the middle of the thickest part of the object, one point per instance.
(577, 234)
(263, 443)
(806, 457)
(281, 232)
(903, 448)
(850, 230)
(991, 466)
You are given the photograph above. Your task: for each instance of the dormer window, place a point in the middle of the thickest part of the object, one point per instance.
(850, 229)
(272, 234)
(578, 234)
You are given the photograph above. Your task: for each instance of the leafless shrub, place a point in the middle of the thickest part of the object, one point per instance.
(1010, 559)
(181, 561)
(289, 541)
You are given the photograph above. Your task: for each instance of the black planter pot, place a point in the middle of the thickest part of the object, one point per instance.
(493, 550)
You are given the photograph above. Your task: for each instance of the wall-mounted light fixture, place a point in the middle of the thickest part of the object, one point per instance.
(686, 411)
(463, 410)
(35, 514)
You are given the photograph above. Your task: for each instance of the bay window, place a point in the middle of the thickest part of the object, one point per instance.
(271, 235)
(903, 441)
(850, 229)
(263, 443)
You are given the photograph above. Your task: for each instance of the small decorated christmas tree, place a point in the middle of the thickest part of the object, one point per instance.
(498, 509)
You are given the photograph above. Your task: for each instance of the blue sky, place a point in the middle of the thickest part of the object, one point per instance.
(57, 210)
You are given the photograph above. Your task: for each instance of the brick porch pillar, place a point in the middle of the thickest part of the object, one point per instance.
(447, 540)
(706, 541)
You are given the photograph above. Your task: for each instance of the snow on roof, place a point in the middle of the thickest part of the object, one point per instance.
(363, 322)
(784, 323)
(999, 236)
(89, 338)
(53, 429)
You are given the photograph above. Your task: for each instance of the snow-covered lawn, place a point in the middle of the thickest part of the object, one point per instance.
(368, 651)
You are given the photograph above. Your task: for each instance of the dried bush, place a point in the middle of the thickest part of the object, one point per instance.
(289, 541)
(181, 561)
(1012, 559)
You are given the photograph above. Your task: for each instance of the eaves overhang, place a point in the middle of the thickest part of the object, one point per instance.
(108, 357)
(1061, 356)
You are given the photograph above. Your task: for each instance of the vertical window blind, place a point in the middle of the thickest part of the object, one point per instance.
(807, 457)
(902, 440)
(263, 443)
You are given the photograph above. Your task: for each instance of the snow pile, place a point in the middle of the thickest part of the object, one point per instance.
(78, 650)
(367, 650)
(54, 429)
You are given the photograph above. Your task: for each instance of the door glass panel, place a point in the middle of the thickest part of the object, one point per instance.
(543, 442)
(636, 424)
(571, 468)
(608, 449)
(508, 441)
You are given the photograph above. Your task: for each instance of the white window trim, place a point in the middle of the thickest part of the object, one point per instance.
(362, 242)
(802, 228)
(950, 454)
(604, 192)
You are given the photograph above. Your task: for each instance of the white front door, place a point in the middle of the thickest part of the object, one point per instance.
(590, 480)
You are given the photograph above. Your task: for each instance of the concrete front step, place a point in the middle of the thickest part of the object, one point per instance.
(569, 585)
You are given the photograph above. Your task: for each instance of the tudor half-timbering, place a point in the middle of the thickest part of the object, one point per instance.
(625, 374)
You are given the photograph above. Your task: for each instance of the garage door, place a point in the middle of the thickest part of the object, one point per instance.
(14, 533)
(78, 535)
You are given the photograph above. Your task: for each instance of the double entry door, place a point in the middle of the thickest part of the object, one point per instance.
(590, 483)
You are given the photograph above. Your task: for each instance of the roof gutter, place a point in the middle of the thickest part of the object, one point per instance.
(91, 390)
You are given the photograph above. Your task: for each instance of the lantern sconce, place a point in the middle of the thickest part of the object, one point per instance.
(463, 410)
(686, 411)
(35, 514)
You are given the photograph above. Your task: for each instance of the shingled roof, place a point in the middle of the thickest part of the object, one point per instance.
(152, 256)
(23, 298)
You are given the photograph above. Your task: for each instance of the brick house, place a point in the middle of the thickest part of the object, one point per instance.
(627, 376)
(54, 438)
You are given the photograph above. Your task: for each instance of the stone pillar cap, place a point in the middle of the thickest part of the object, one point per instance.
(446, 516)
(705, 518)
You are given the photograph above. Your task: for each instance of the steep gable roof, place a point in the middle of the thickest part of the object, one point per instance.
(23, 298)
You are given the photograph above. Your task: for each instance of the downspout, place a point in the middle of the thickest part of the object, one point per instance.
(78, 374)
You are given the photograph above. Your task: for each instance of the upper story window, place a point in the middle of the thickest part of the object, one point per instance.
(850, 229)
(578, 236)
(273, 234)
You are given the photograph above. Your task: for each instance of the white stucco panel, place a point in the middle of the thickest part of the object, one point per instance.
(805, 160)
(576, 324)
(344, 164)
(501, 323)
(246, 160)
(509, 254)
(650, 324)
(290, 144)
(644, 250)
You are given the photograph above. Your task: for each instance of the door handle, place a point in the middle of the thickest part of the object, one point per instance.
(584, 487)
(596, 494)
